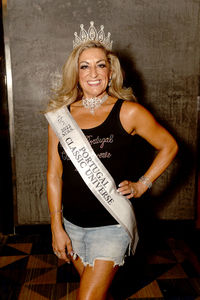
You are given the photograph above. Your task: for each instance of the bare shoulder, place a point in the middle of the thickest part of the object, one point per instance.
(132, 113)
(133, 109)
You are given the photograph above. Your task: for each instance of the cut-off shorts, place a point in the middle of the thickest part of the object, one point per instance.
(105, 243)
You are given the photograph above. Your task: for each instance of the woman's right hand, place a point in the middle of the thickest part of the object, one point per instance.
(61, 244)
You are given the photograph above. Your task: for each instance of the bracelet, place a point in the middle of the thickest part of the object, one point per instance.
(146, 181)
(55, 212)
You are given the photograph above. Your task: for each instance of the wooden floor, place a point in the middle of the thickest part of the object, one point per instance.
(166, 266)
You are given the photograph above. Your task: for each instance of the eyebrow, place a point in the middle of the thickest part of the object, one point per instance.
(86, 62)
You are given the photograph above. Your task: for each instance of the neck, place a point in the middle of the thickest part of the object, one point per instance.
(100, 96)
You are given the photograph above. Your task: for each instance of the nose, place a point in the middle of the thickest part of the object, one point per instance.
(93, 72)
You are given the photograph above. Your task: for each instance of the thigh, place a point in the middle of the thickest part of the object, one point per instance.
(78, 264)
(95, 280)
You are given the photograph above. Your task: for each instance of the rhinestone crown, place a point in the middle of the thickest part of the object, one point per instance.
(92, 35)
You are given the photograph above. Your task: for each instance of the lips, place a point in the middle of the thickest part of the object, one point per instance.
(94, 82)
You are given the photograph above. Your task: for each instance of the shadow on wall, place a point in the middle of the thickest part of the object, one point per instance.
(184, 163)
(132, 77)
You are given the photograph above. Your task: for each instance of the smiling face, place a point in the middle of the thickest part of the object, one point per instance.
(94, 72)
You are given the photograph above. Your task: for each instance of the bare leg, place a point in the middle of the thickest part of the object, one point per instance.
(95, 281)
(79, 266)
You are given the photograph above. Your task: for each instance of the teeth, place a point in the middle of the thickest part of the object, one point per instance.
(94, 82)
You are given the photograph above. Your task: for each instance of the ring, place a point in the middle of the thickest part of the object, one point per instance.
(132, 190)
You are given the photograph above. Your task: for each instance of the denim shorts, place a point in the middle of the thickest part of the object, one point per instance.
(105, 242)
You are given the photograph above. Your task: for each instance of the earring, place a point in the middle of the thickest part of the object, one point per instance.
(109, 82)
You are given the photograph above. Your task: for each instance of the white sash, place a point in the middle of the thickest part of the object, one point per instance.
(91, 169)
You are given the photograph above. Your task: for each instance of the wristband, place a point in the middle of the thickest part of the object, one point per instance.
(146, 181)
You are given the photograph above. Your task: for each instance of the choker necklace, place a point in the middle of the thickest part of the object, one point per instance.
(94, 103)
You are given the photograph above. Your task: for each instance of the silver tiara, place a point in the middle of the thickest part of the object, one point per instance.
(92, 35)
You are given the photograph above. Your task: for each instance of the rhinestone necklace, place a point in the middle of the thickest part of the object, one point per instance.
(94, 103)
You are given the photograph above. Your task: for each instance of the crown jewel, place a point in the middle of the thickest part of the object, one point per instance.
(92, 35)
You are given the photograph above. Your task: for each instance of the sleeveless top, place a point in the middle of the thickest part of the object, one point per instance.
(115, 148)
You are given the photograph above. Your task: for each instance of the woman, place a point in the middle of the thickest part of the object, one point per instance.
(92, 88)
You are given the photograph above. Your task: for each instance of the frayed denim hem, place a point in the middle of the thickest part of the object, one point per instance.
(75, 256)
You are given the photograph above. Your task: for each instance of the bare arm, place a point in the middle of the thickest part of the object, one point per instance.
(60, 240)
(140, 121)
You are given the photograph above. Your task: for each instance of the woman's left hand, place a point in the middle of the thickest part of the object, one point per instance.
(131, 189)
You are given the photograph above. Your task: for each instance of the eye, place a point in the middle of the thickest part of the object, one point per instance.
(83, 67)
(102, 65)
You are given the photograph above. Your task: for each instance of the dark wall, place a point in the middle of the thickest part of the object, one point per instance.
(158, 43)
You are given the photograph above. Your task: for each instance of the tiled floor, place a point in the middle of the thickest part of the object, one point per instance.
(166, 266)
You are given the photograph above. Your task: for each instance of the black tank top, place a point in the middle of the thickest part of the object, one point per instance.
(115, 148)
